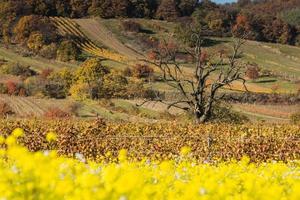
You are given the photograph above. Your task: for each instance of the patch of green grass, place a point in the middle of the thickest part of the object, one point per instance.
(136, 110)
(283, 86)
(37, 63)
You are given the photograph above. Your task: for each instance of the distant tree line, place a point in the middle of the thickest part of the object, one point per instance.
(265, 20)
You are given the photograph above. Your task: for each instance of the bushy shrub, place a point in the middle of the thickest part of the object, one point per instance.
(142, 71)
(127, 72)
(48, 51)
(152, 55)
(297, 40)
(73, 108)
(114, 85)
(17, 89)
(295, 118)
(45, 73)
(64, 76)
(12, 88)
(67, 51)
(225, 114)
(183, 32)
(80, 91)
(17, 69)
(5, 109)
(3, 88)
(261, 98)
(147, 42)
(28, 25)
(35, 86)
(252, 72)
(55, 90)
(35, 41)
(131, 26)
(151, 94)
(135, 88)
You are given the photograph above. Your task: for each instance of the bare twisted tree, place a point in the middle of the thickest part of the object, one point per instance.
(199, 88)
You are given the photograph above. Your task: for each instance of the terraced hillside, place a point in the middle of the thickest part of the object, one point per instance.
(68, 26)
(30, 106)
(120, 110)
(97, 31)
(281, 60)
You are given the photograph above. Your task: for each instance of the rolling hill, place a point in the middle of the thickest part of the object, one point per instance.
(106, 39)
(109, 37)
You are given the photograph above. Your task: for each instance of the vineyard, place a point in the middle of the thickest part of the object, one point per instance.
(223, 142)
(96, 29)
(45, 175)
(69, 27)
(30, 106)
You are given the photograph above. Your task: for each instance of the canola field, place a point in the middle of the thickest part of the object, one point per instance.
(45, 175)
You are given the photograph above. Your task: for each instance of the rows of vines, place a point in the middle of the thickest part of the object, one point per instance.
(69, 27)
(211, 142)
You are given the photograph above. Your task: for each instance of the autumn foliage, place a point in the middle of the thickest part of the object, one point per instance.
(217, 142)
(55, 112)
(5, 109)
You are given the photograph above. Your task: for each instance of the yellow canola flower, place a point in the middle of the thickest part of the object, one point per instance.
(18, 132)
(2, 140)
(185, 151)
(51, 136)
(10, 140)
(123, 155)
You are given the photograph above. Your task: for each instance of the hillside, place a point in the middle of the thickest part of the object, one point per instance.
(281, 60)
(36, 62)
(107, 39)
(97, 31)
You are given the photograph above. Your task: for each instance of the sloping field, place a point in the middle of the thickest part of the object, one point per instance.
(279, 113)
(36, 63)
(96, 31)
(281, 59)
(68, 26)
(30, 106)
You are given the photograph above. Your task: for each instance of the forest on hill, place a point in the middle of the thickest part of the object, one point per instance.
(275, 21)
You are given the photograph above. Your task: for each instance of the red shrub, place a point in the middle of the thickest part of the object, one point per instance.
(53, 113)
(12, 88)
(168, 48)
(252, 72)
(5, 109)
(22, 92)
(152, 55)
(203, 57)
(45, 73)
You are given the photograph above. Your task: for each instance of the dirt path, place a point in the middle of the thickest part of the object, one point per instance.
(97, 31)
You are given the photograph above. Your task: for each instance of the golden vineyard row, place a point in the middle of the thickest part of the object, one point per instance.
(67, 26)
(211, 142)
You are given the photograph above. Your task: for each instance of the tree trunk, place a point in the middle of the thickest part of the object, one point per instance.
(202, 117)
